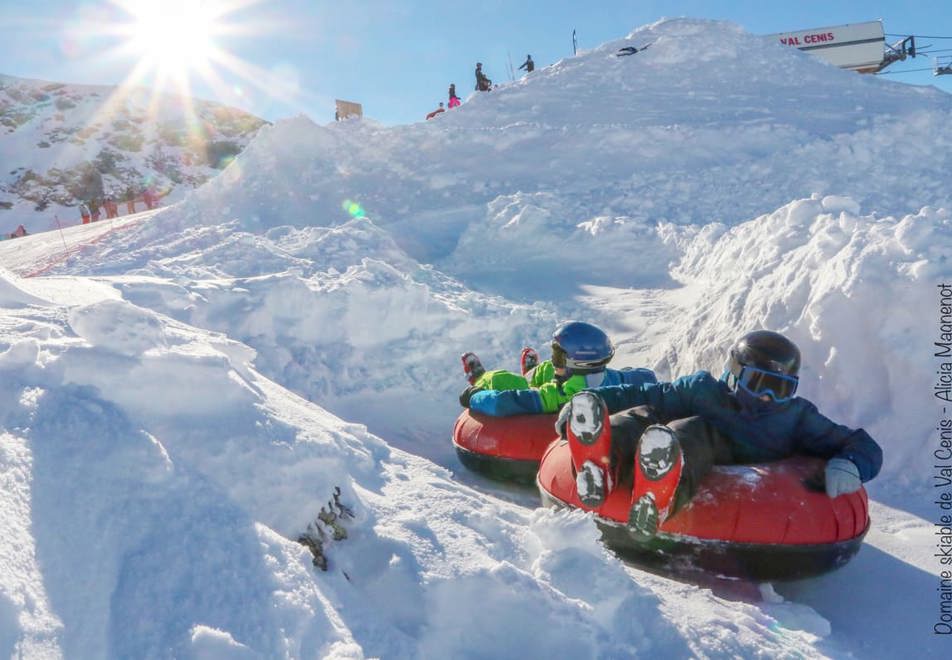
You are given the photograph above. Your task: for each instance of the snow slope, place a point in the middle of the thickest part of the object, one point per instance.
(185, 393)
(703, 126)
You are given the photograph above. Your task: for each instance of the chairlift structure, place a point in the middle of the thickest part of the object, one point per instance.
(859, 47)
(943, 66)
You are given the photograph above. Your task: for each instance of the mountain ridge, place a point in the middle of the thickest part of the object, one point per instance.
(63, 144)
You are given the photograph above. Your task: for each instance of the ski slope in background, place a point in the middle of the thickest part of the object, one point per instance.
(63, 144)
(184, 393)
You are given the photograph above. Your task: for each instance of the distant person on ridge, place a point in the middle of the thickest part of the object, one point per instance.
(131, 199)
(440, 109)
(580, 353)
(112, 210)
(483, 84)
(528, 65)
(454, 99)
(84, 213)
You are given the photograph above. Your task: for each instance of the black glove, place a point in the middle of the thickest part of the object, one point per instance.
(467, 393)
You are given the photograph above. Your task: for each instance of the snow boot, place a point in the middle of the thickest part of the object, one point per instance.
(589, 434)
(528, 360)
(658, 466)
(472, 367)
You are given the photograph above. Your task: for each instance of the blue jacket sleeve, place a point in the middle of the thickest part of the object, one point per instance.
(671, 400)
(638, 376)
(822, 437)
(505, 403)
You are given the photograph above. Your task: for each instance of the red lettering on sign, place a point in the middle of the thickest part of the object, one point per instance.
(808, 39)
(816, 38)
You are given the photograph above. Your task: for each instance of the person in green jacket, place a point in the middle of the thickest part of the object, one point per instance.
(580, 353)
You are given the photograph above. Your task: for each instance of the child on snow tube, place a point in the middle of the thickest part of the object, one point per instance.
(580, 353)
(671, 434)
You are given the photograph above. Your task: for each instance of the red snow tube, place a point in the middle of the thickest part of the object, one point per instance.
(756, 521)
(506, 448)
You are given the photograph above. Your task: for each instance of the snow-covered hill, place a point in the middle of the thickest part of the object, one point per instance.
(185, 390)
(596, 150)
(64, 144)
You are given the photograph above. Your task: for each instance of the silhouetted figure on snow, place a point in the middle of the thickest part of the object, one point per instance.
(483, 84)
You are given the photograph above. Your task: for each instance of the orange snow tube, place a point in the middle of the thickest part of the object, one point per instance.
(760, 521)
(504, 448)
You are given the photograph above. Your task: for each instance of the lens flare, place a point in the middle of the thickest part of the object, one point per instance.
(354, 209)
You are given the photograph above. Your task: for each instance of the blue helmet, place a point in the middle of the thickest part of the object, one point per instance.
(581, 347)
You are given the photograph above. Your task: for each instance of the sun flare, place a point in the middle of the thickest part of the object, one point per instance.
(174, 37)
(174, 48)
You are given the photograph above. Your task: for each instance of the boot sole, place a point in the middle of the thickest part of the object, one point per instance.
(472, 368)
(587, 411)
(594, 493)
(643, 518)
(658, 452)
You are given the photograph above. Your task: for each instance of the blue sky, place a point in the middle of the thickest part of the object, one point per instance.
(398, 58)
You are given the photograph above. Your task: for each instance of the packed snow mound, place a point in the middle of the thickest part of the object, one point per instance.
(341, 315)
(855, 293)
(708, 124)
(697, 72)
(12, 294)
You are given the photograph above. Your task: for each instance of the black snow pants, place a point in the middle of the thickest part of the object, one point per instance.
(702, 446)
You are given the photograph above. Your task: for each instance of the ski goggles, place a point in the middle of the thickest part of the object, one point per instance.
(561, 359)
(760, 382)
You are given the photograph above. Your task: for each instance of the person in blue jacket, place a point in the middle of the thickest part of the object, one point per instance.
(580, 353)
(673, 433)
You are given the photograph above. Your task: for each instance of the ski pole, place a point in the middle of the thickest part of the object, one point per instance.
(58, 226)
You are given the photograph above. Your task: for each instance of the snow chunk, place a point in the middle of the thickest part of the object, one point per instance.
(118, 326)
(12, 295)
(835, 204)
(213, 644)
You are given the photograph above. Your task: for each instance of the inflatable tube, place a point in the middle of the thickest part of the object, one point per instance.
(758, 522)
(504, 448)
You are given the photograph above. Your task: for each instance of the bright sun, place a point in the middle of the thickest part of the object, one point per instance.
(173, 37)
(173, 45)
